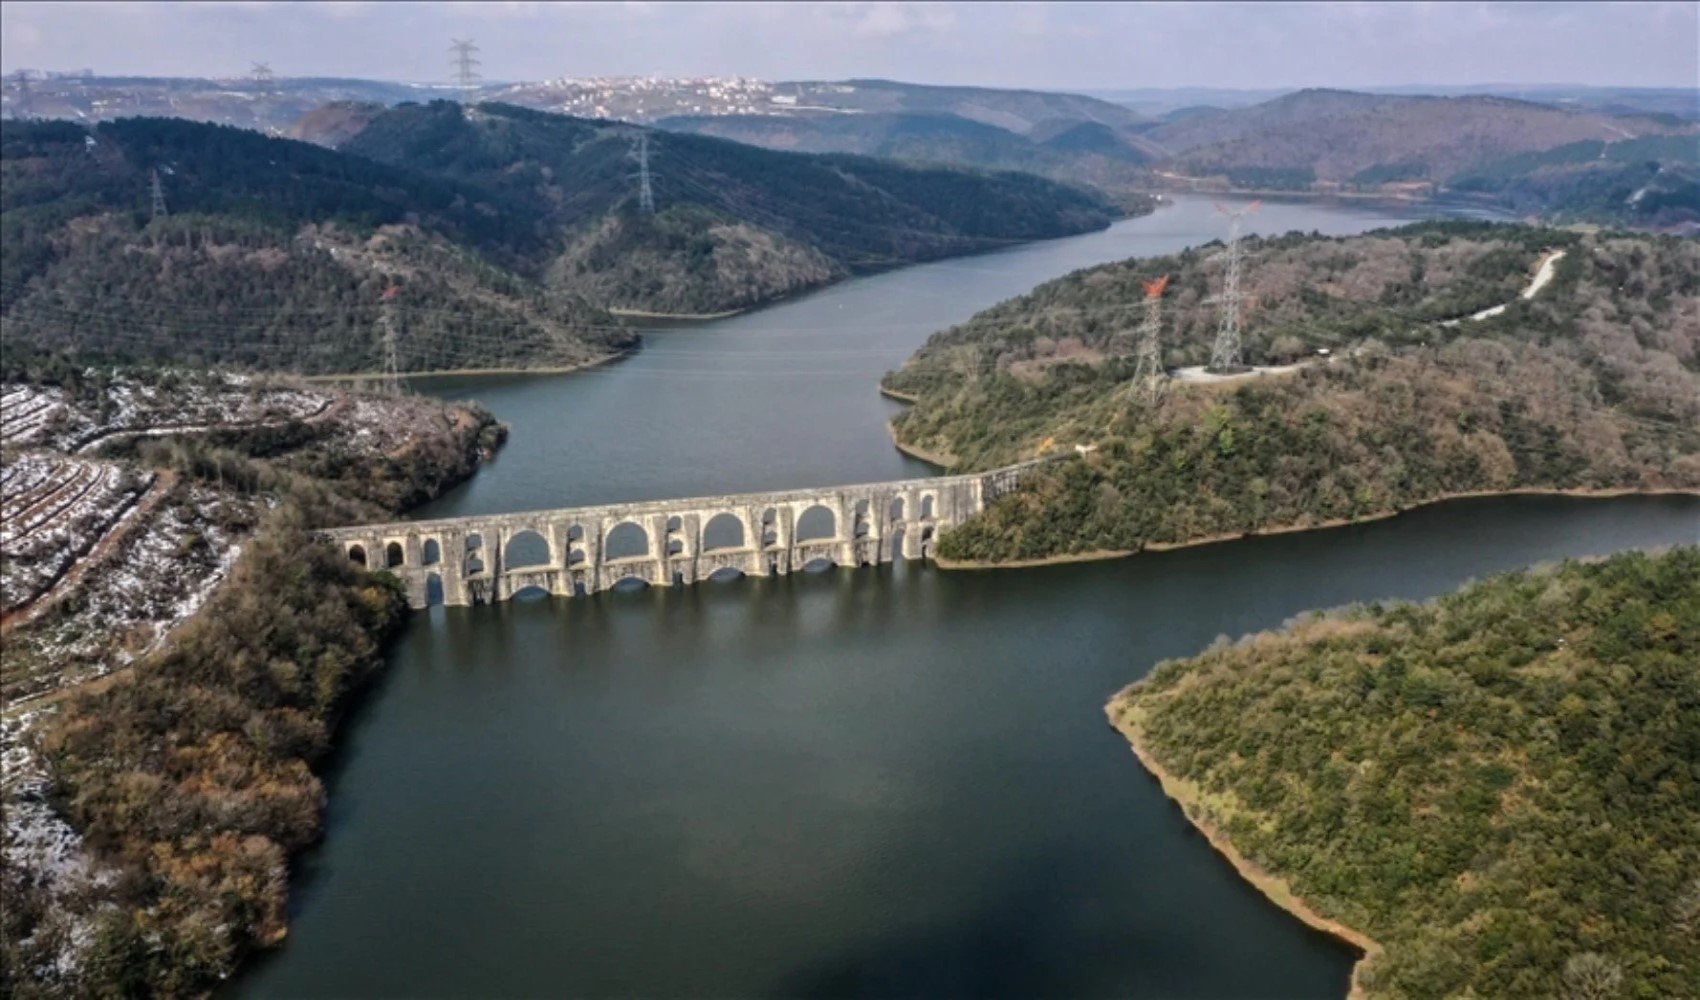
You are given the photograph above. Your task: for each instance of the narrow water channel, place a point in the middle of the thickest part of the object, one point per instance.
(892, 782)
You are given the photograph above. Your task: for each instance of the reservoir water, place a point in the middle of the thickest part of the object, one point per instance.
(892, 782)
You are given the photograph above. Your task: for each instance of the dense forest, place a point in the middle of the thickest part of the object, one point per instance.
(272, 254)
(192, 777)
(733, 225)
(470, 238)
(1592, 384)
(1498, 787)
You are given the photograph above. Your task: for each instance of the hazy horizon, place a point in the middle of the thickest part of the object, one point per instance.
(1056, 47)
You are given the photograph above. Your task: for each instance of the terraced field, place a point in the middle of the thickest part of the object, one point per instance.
(53, 510)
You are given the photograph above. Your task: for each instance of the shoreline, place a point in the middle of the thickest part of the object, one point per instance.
(901, 397)
(452, 372)
(1582, 493)
(1274, 888)
(648, 314)
(936, 461)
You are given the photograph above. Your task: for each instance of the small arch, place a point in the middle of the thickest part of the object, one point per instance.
(526, 548)
(897, 545)
(723, 531)
(859, 520)
(819, 564)
(474, 563)
(575, 533)
(725, 573)
(817, 522)
(529, 592)
(432, 553)
(927, 507)
(895, 509)
(394, 554)
(626, 539)
(433, 589)
(770, 516)
(675, 546)
(357, 555)
(675, 523)
(629, 582)
(575, 557)
(474, 541)
(927, 541)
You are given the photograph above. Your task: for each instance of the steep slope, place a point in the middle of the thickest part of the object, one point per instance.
(1497, 787)
(733, 225)
(1591, 384)
(274, 254)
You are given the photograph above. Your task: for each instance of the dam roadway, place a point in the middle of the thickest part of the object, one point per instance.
(578, 551)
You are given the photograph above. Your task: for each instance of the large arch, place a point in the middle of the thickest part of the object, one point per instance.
(724, 530)
(526, 548)
(816, 523)
(626, 539)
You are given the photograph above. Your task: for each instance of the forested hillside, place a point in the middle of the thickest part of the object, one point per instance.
(270, 254)
(733, 225)
(1497, 787)
(1081, 152)
(475, 238)
(1593, 384)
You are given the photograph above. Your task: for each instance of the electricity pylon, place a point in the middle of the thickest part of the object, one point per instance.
(1225, 354)
(1149, 377)
(646, 193)
(466, 74)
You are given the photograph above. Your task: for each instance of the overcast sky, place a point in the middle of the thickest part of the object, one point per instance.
(1052, 46)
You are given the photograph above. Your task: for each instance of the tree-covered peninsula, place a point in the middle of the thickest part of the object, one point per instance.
(1591, 384)
(1498, 789)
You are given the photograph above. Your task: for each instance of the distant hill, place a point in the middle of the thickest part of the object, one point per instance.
(273, 254)
(1331, 140)
(1072, 150)
(643, 99)
(733, 225)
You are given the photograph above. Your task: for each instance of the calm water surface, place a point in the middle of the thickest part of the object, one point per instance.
(892, 782)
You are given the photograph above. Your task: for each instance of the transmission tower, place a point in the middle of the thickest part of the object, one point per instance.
(158, 192)
(1225, 355)
(1148, 374)
(646, 192)
(386, 324)
(465, 66)
(24, 107)
(263, 77)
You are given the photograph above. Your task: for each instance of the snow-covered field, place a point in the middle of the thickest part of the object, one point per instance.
(50, 417)
(53, 509)
(162, 573)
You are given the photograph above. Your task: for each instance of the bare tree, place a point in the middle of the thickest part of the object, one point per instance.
(1591, 976)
